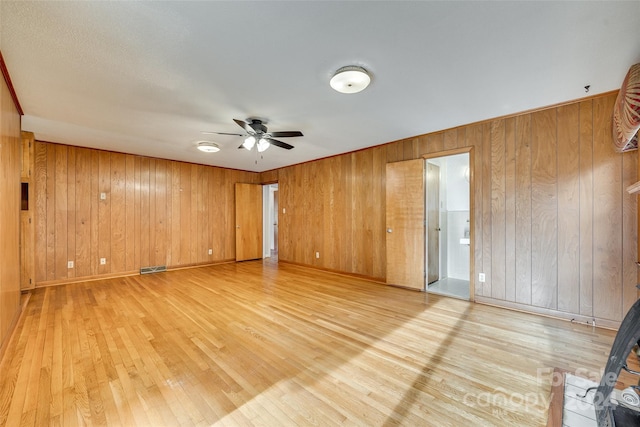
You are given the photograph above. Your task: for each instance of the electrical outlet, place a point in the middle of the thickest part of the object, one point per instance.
(284, 211)
(481, 277)
(103, 196)
(70, 264)
(103, 261)
(317, 254)
(210, 251)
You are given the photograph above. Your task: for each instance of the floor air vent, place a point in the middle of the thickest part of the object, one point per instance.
(155, 269)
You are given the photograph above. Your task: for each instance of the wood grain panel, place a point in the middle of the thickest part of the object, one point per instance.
(145, 216)
(316, 217)
(362, 234)
(117, 191)
(450, 139)
(176, 194)
(51, 212)
(485, 170)
(475, 138)
(544, 210)
(130, 212)
(523, 209)
(586, 208)
(160, 247)
(95, 203)
(71, 209)
(377, 219)
(607, 216)
(40, 184)
(152, 236)
(10, 171)
(510, 209)
(498, 210)
(149, 205)
(269, 177)
(435, 142)
(568, 155)
(82, 258)
(629, 232)
(104, 212)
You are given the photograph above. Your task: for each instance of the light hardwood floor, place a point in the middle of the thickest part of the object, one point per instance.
(265, 344)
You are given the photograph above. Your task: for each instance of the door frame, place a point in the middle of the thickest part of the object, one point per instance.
(472, 227)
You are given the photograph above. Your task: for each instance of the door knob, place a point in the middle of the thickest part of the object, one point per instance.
(438, 229)
(389, 230)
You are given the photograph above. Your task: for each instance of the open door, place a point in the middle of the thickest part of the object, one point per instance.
(405, 224)
(248, 221)
(433, 222)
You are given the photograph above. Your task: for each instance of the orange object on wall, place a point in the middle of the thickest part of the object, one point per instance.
(626, 111)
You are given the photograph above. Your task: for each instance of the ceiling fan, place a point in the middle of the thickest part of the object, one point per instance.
(257, 134)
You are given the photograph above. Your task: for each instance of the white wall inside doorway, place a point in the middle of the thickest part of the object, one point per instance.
(269, 219)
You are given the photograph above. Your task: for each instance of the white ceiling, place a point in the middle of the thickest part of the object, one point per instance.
(148, 77)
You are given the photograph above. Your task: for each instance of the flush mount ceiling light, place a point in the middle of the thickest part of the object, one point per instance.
(350, 79)
(208, 147)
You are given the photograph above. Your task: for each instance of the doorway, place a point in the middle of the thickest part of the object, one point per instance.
(448, 246)
(270, 220)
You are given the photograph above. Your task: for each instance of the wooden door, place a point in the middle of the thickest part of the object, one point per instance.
(433, 222)
(248, 221)
(405, 224)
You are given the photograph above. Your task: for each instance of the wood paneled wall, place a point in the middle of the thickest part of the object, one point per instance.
(555, 230)
(155, 212)
(10, 165)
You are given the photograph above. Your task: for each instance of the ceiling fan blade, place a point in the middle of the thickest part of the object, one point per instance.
(279, 143)
(286, 134)
(244, 125)
(221, 133)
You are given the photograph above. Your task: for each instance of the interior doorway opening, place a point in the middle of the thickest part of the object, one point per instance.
(270, 221)
(448, 254)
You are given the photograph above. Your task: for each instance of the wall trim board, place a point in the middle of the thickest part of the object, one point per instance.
(206, 264)
(554, 314)
(97, 277)
(60, 282)
(378, 280)
(17, 318)
(7, 79)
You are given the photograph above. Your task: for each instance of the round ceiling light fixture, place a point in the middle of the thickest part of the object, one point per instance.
(208, 146)
(350, 79)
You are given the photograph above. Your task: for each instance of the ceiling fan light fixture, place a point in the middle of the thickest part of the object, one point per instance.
(249, 143)
(263, 144)
(350, 79)
(208, 147)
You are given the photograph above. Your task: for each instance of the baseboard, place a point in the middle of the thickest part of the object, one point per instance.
(24, 300)
(574, 318)
(122, 274)
(338, 272)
